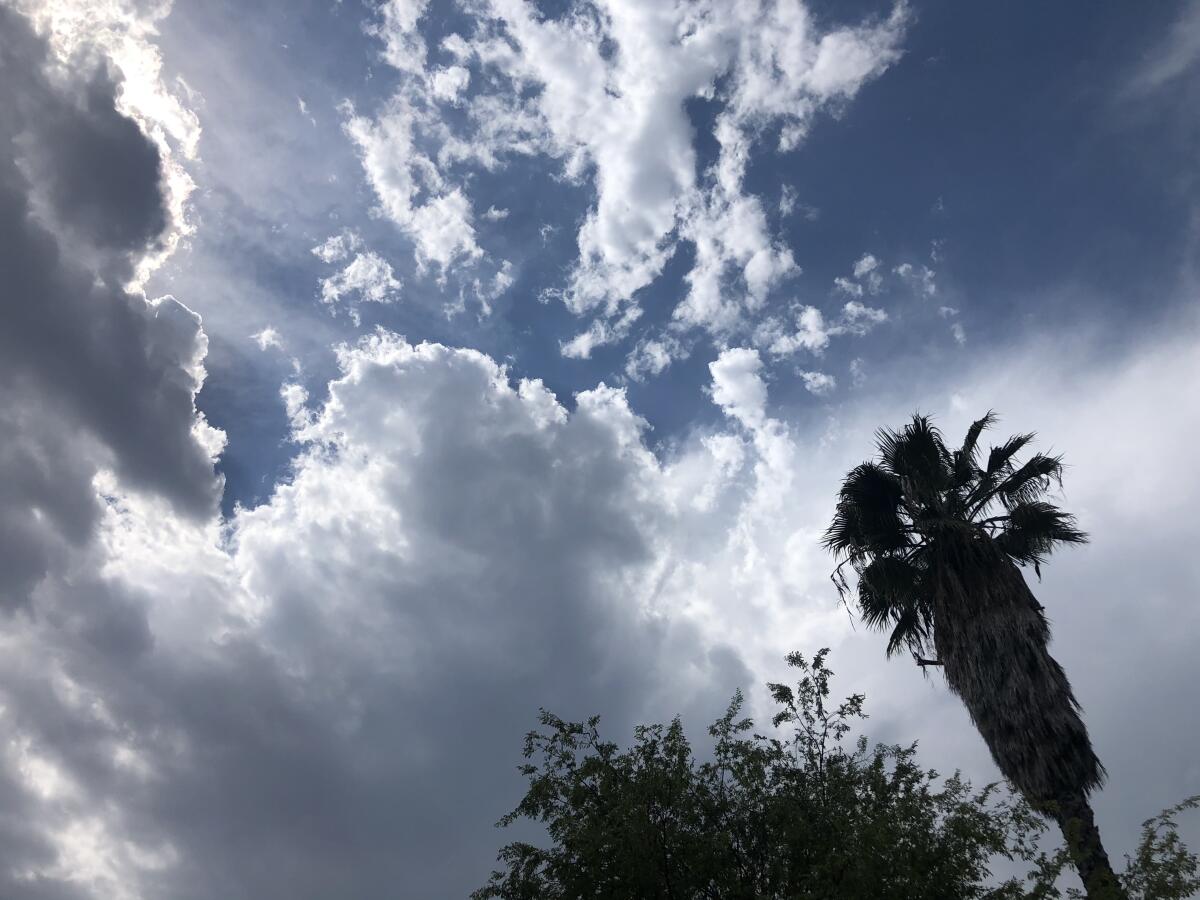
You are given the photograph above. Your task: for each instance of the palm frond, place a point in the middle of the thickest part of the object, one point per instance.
(868, 516)
(999, 467)
(1001, 457)
(892, 593)
(916, 455)
(1030, 481)
(970, 444)
(911, 633)
(966, 458)
(1034, 529)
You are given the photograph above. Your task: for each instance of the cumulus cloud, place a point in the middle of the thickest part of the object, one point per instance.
(93, 376)
(326, 696)
(737, 386)
(334, 695)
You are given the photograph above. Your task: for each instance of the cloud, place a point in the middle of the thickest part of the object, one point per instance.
(956, 327)
(921, 279)
(818, 383)
(93, 377)
(121, 34)
(858, 372)
(368, 275)
(436, 216)
(814, 332)
(846, 286)
(651, 356)
(602, 89)
(334, 695)
(338, 246)
(267, 338)
(325, 697)
(1175, 55)
(737, 386)
(448, 84)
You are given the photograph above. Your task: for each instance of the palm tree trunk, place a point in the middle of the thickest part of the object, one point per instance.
(992, 639)
(1087, 852)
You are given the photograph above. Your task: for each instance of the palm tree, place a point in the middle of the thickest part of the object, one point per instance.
(935, 536)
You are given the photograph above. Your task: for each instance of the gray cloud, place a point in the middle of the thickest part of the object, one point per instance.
(324, 696)
(329, 701)
(335, 707)
(91, 376)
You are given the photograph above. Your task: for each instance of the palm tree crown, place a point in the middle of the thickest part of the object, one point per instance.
(921, 506)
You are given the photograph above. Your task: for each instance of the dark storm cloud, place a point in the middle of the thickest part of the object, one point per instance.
(91, 375)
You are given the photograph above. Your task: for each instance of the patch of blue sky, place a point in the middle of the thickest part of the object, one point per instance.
(1001, 157)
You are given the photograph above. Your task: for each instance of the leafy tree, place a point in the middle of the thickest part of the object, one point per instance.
(936, 537)
(804, 813)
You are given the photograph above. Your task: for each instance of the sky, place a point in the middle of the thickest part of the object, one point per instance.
(373, 374)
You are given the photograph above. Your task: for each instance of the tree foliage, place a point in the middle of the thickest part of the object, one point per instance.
(806, 811)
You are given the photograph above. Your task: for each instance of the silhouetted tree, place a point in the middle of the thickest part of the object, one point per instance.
(936, 537)
(811, 813)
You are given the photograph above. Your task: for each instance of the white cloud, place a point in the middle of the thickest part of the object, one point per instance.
(787, 200)
(818, 383)
(737, 386)
(495, 215)
(448, 84)
(404, 48)
(368, 275)
(267, 339)
(858, 318)
(813, 332)
(865, 265)
(921, 279)
(846, 286)
(303, 107)
(788, 204)
(298, 646)
(866, 280)
(337, 247)
(652, 356)
(603, 91)
(487, 292)
(436, 216)
(599, 333)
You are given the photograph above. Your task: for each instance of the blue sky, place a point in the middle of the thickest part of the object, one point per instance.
(1015, 154)
(379, 372)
